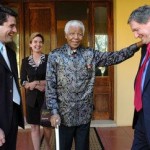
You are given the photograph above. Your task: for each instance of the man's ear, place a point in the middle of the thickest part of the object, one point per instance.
(65, 36)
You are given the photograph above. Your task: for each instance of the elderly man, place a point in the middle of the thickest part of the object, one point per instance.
(70, 79)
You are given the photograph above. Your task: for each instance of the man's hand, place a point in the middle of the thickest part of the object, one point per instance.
(40, 88)
(2, 137)
(33, 84)
(55, 120)
(139, 44)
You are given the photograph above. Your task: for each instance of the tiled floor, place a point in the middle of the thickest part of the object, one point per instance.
(24, 140)
(113, 138)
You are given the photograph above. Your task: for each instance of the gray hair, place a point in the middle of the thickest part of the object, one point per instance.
(140, 15)
(74, 23)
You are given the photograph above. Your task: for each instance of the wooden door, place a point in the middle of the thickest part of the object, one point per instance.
(18, 40)
(49, 18)
(102, 31)
(97, 19)
(40, 17)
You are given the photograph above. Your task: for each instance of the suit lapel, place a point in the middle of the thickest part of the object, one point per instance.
(147, 75)
(2, 61)
(12, 62)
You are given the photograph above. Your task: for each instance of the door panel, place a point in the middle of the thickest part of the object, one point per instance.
(97, 19)
(102, 98)
(102, 41)
(41, 18)
(18, 42)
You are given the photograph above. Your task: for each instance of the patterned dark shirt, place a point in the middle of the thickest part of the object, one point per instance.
(70, 80)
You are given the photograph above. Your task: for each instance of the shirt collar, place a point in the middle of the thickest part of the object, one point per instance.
(73, 52)
(70, 51)
(1, 46)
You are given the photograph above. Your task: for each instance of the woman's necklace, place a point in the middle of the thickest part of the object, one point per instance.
(37, 59)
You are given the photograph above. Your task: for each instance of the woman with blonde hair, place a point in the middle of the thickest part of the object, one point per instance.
(33, 71)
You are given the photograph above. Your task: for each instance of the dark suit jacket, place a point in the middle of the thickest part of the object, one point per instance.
(6, 93)
(145, 97)
(30, 73)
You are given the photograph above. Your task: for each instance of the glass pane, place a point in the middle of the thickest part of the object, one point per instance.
(101, 42)
(101, 35)
(66, 11)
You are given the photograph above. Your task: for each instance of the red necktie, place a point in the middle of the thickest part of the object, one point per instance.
(138, 83)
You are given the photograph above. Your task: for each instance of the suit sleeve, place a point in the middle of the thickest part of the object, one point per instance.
(23, 72)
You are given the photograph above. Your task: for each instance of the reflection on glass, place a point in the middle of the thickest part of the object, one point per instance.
(101, 36)
(101, 42)
(102, 69)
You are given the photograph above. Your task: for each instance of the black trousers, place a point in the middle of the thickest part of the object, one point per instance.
(140, 141)
(11, 138)
(80, 134)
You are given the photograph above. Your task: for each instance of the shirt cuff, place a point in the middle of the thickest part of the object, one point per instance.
(24, 82)
(54, 112)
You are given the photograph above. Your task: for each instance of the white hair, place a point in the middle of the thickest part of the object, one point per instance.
(74, 23)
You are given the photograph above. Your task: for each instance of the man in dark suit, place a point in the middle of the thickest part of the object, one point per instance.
(11, 115)
(139, 22)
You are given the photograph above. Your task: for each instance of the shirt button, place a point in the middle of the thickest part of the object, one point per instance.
(10, 91)
(10, 77)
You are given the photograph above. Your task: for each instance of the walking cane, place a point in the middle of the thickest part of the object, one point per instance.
(57, 137)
